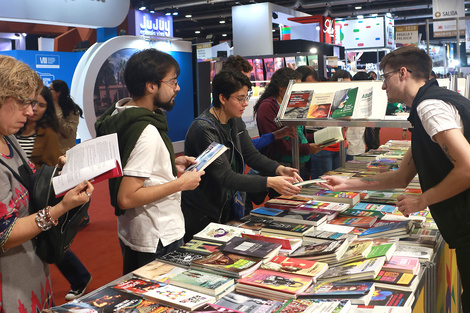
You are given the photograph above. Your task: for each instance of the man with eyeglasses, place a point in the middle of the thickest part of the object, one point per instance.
(439, 153)
(147, 197)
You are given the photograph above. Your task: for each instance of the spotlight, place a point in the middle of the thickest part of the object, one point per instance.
(197, 32)
(188, 16)
(175, 13)
(142, 8)
(358, 7)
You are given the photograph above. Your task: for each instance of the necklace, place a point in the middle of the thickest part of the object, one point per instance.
(8, 146)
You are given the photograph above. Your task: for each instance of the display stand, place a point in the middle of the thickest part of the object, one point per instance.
(376, 119)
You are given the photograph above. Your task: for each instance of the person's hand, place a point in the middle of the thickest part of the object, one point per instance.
(182, 162)
(61, 161)
(334, 183)
(190, 180)
(408, 204)
(283, 185)
(289, 171)
(77, 196)
(314, 148)
(286, 131)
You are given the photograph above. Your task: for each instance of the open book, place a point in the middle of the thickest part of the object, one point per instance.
(328, 136)
(96, 159)
(208, 156)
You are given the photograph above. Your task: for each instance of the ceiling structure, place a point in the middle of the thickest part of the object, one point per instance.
(213, 17)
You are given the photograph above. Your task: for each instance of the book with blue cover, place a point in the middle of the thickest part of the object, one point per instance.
(397, 229)
(385, 208)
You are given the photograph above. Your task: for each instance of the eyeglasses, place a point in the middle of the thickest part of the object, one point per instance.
(242, 99)
(386, 75)
(25, 103)
(172, 83)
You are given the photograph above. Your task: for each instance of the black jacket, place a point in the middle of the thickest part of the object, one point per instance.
(211, 200)
(452, 216)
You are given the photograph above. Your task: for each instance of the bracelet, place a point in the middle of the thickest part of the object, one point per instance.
(44, 219)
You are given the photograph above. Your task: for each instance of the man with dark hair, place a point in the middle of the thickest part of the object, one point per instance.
(439, 153)
(147, 197)
(238, 63)
(309, 75)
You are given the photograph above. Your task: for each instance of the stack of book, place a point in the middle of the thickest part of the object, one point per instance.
(312, 269)
(309, 218)
(248, 304)
(220, 233)
(348, 197)
(354, 271)
(357, 292)
(328, 252)
(288, 245)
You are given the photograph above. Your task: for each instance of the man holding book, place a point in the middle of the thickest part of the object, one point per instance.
(147, 197)
(439, 153)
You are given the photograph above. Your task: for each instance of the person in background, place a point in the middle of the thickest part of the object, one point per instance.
(309, 75)
(438, 154)
(329, 158)
(355, 135)
(341, 76)
(373, 75)
(147, 197)
(216, 200)
(68, 113)
(39, 139)
(266, 110)
(238, 63)
(24, 277)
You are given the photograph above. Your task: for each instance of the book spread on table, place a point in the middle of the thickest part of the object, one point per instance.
(279, 263)
(220, 232)
(178, 297)
(227, 264)
(251, 247)
(212, 152)
(328, 136)
(208, 283)
(96, 159)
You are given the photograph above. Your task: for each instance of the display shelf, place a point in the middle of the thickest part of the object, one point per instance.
(323, 122)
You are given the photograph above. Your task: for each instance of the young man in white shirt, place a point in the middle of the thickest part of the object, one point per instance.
(439, 153)
(148, 197)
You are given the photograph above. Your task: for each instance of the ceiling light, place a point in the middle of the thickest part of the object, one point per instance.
(197, 32)
(175, 13)
(313, 50)
(222, 22)
(152, 11)
(188, 16)
(142, 8)
(224, 35)
(358, 7)
(360, 16)
(168, 13)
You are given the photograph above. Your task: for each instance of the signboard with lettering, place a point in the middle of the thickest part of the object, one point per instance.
(47, 61)
(406, 35)
(445, 9)
(363, 33)
(150, 24)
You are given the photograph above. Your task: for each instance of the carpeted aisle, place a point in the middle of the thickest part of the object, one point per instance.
(96, 245)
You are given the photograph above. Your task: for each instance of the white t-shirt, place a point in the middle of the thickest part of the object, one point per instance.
(437, 116)
(142, 227)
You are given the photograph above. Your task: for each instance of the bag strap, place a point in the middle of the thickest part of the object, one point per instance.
(17, 176)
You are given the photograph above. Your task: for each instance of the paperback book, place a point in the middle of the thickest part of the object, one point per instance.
(357, 292)
(357, 221)
(329, 305)
(220, 232)
(179, 258)
(360, 213)
(286, 228)
(348, 197)
(212, 152)
(288, 245)
(251, 247)
(420, 252)
(357, 250)
(395, 229)
(248, 304)
(326, 251)
(328, 136)
(313, 269)
(137, 286)
(396, 280)
(298, 104)
(354, 271)
(390, 297)
(274, 285)
(158, 271)
(283, 204)
(212, 308)
(385, 208)
(383, 247)
(177, 297)
(203, 247)
(204, 282)
(227, 264)
(294, 306)
(318, 236)
(402, 264)
(308, 218)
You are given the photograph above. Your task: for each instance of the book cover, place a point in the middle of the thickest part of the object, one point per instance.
(357, 250)
(390, 297)
(137, 285)
(287, 244)
(178, 297)
(329, 305)
(420, 252)
(283, 204)
(395, 278)
(354, 212)
(348, 197)
(304, 267)
(323, 236)
(328, 136)
(402, 264)
(317, 251)
(277, 281)
(220, 232)
(294, 306)
(204, 282)
(320, 106)
(290, 229)
(354, 271)
(298, 103)
(315, 204)
(338, 290)
(157, 270)
(212, 152)
(203, 247)
(383, 247)
(309, 218)
(180, 258)
(352, 103)
(357, 221)
(212, 308)
(248, 304)
(266, 211)
(228, 264)
(395, 228)
(251, 247)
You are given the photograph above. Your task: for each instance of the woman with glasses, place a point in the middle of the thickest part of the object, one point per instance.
(266, 110)
(68, 113)
(24, 277)
(216, 199)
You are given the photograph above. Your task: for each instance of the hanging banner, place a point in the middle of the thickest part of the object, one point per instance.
(406, 35)
(445, 9)
(467, 35)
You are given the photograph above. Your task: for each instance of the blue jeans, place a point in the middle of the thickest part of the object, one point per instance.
(74, 271)
(132, 259)
(323, 162)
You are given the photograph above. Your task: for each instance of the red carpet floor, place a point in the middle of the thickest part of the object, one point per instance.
(96, 245)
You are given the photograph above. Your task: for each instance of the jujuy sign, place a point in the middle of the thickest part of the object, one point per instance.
(150, 24)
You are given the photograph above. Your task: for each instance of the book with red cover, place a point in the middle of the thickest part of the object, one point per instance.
(303, 267)
(271, 284)
(356, 221)
(348, 197)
